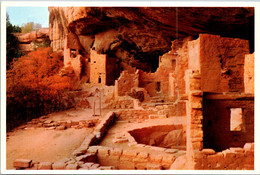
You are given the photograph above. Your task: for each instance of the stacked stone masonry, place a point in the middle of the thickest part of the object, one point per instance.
(131, 160)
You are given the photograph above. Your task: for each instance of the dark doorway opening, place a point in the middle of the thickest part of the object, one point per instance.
(158, 86)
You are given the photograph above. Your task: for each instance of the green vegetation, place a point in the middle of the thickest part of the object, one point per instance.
(12, 42)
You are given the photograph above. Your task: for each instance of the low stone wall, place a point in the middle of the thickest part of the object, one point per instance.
(131, 160)
(235, 158)
(96, 137)
(61, 125)
(137, 114)
(122, 103)
(84, 162)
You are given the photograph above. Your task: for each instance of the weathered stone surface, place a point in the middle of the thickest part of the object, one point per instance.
(179, 163)
(151, 166)
(87, 158)
(58, 165)
(208, 151)
(62, 127)
(74, 166)
(107, 167)
(249, 146)
(22, 163)
(249, 77)
(45, 166)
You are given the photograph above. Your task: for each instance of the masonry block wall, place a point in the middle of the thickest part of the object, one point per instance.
(217, 122)
(156, 83)
(98, 67)
(234, 158)
(249, 73)
(217, 66)
(181, 66)
(221, 62)
(194, 116)
(167, 60)
(125, 83)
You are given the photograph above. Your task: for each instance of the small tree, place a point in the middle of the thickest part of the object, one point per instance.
(12, 42)
(30, 26)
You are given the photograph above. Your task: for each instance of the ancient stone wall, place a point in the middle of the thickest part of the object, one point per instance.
(234, 158)
(103, 70)
(181, 65)
(98, 134)
(194, 54)
(221, 62)
(217, 121)
(167, 60)
(137, 114)
(97, 67)
(134, 160)
(125, 83)
(121, 103)
(194, 115)
(156, 83)
(249, 78)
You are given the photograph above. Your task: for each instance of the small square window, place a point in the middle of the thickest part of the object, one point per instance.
(236, 119)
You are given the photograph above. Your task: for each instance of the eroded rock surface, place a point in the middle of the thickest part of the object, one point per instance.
(32, 40)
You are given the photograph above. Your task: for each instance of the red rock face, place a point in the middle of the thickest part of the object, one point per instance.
(140, 35)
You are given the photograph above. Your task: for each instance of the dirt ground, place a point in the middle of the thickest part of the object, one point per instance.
(41, 145)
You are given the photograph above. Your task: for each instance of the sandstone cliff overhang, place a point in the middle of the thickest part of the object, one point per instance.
(144, 33)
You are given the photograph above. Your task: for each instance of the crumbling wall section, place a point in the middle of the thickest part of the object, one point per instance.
(182, 58)
(234, 158)
(249, 78)
(125, 83)
(156, 83)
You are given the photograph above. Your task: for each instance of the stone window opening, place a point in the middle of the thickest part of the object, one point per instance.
(236, 119)
(158, 86)
(99, 79)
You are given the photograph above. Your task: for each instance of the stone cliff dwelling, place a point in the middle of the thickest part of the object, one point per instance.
(177, 102)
